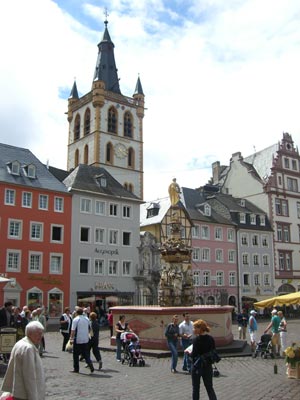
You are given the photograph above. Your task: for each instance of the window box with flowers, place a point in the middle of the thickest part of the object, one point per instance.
(292, 358)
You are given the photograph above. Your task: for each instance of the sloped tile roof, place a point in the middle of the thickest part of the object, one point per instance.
(263, 160)
(43, 180)
(87, 178)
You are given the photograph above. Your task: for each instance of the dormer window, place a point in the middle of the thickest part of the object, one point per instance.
(253, 219)
(207, 210)
(30, 170)
(153, 210)
(242, 203)
(262, 219)
(242, 218)
(102, 181)
(14, 167)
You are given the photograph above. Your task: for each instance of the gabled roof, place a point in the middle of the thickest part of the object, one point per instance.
(193, 201)
(162, 204)
(91, 179)
(262, 161)
(43, 178)
(60, 174)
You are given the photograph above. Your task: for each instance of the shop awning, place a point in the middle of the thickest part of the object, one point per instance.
(286, 299)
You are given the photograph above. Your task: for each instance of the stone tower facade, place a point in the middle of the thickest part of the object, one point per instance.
(106, 127)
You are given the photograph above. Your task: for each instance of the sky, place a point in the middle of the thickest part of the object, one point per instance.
(219, 76)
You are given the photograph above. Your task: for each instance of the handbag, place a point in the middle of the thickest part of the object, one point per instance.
(64, 326)
(69, 346)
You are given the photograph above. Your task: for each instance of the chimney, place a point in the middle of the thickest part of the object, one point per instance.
(216, 172)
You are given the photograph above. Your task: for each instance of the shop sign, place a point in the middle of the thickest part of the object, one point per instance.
(107, 251)
(103, 286)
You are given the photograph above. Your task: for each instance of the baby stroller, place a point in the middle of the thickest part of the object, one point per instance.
(264, 347)
(131, 350)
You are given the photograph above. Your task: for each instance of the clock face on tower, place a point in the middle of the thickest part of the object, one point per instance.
(120, 150)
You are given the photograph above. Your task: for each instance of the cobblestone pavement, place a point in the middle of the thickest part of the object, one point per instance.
(241, 377)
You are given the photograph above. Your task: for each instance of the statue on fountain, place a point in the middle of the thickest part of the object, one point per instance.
(176, 282)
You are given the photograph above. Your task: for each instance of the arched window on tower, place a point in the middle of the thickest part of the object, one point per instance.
(112, 120)
(128, 124)
(130, 188)
(76, 161)
(77, 127)
(87, 122)
(130, 158)
(125, 186)
(109, 153)
(86, 154)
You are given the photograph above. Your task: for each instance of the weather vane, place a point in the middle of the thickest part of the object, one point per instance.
(106, 14)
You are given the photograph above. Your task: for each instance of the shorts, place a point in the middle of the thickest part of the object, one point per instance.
(252, 336)
(275, 339)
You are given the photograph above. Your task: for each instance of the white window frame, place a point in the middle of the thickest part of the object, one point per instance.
(85, 205)
(88, 259)
(267, 279)
(196, 232)
(257, 279)
(218, 233)
(230, 235)
(126, 212)
(16, 261)
(113, 264)
(196, 278)
(59, 204)
(129, 236)
(26, 199)
(41, 228)
(97, 262)
(242, 218)
(265, 241)
(39, 256)
(205, 232)
(232, 278)
(102, 230)
(220, 278)
(252, 219)
(43, 200)
(231, 256)
(206, 278)
(100, 207)
(60, 257)
(205, 252)
(61, 230)
(245, 257)
(113, 210)
(266, 260)
(125, 264)
(196, 255)
(10, 197)
(15, 222)
(113, 241)
(219, 255)
(88, 228)
(256, 260)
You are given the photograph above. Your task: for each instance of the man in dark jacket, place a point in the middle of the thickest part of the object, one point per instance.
(6, 315)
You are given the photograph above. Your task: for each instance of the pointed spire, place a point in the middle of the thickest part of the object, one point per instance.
(106, 70)
(138, 87)
(74, 92)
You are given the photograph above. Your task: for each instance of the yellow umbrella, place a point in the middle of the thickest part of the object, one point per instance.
(286, 299)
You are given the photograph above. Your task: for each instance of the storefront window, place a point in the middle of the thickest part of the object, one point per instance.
(55, 301)
(34, 298)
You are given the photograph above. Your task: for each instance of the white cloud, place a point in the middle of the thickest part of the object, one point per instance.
(219, 77)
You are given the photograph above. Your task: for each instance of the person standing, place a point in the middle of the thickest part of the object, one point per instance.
(110, 322)
(186, 333)
(24, 376)
(94, 339)
(282, 332)
(80, 338)
(242, 320)
(42, 319)
(274, 326)
(252, 326)
(6, 315)
(172, 335)
(65, 326)
(202, 343)
(121, 326)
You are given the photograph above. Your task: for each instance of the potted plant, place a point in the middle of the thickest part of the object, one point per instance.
(292, 358)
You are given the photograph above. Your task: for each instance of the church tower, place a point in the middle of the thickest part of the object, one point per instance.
(106, 127)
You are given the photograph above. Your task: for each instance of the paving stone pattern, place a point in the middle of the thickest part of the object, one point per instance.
(241, 377)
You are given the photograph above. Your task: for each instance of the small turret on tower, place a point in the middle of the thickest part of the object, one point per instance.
(139, 98)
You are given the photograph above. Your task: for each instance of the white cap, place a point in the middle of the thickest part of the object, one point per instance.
(253, 312)
(274, 311)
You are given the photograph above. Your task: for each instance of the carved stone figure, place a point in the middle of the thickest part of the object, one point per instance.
(174, 192)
